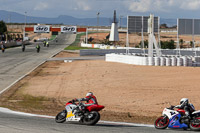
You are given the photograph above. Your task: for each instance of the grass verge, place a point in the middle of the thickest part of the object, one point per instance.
(52, 37)
(75, 44)
(77, 48)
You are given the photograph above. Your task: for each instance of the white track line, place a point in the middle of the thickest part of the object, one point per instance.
(5, 110)
(127, 124)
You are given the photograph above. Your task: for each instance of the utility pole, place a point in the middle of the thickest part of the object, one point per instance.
(98, 13)
(25, 26)
(120, 21)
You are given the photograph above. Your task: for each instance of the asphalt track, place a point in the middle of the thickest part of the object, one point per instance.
(20, 123)
(14, 64)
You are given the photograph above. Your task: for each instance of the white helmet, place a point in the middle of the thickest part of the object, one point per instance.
(89, 94)
(184, 101)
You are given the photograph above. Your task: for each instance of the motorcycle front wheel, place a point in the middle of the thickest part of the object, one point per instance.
(61, 117)
(195, 124)
(162, 122)
(92, 118)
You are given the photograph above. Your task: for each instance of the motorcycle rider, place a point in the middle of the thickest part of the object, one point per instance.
(23, 47)
(90, 101)
(38, 48)
(2, 47)
(47, 44)
(44, 43)
(188, 107)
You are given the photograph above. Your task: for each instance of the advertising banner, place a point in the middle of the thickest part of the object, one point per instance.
(67, 29)
(41, 29)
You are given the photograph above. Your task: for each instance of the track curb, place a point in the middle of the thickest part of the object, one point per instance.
(5, 110)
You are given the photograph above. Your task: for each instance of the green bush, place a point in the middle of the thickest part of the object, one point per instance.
(3, 27)
(168, 44)
(145, 44)
(164, 44)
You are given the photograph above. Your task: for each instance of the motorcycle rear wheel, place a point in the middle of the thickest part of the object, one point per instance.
(93, 120)
(61, 117)
(194, 126)
(162, 122)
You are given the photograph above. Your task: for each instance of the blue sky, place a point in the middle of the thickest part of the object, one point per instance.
(89, 8)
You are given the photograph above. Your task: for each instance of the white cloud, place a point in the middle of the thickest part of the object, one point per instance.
(162, 5)
(41, 6)
(139, 6)
(190, 5)
(85, 6)
(88, 8)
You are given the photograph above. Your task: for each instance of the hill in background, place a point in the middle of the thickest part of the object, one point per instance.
(13, 17)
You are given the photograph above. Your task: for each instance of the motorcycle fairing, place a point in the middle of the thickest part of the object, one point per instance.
(95, 108)
(196, 113)
(169, 113)
(70, 115)
(175, 122)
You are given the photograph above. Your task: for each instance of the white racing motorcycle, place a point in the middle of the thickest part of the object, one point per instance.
(174, 119)
(76, 112)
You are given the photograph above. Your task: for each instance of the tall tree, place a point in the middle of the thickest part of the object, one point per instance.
(3, 27)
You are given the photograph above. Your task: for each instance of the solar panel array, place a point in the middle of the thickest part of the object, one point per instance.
(135, 24)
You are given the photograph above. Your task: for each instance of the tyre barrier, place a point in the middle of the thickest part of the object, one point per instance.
(174, 61)
(162, 61)
(154, 61)
(168, 61)
(157, 61)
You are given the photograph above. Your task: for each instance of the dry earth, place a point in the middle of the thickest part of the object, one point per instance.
(130, 93)
(134, 39)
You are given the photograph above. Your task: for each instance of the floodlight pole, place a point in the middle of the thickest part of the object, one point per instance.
(178, 52)
(152, 39)
(193, 40)
(120, 21)
(24, 27)
(86, 36)
(127, 39)
(143, 35)
(151, 34)
(159, 43)
(98, 13)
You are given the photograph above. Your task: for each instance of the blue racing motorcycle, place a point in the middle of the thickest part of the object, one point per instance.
(172, 118)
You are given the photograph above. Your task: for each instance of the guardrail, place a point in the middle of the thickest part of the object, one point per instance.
(15, 43)
(103, 52)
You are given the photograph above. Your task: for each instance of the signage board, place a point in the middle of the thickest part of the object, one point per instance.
(189, 26)
(135, 24)
(41, 29)
(68, 29)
